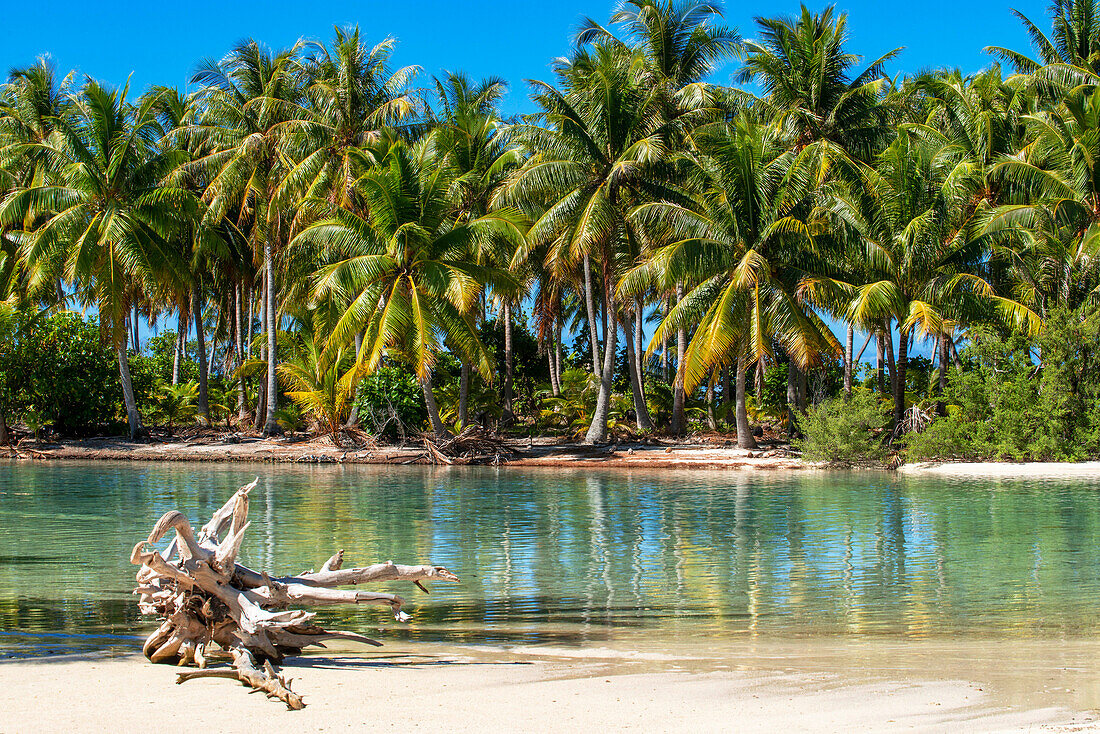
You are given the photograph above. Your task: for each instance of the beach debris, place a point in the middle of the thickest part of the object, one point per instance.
(203, 597)
(474, 445)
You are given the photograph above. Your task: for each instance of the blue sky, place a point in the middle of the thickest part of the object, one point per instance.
(516, 40)
(159, 43)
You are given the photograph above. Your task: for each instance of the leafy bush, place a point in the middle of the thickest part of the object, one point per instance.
(1007, 404)
(58, 371)
(847, 432)
(390, 402)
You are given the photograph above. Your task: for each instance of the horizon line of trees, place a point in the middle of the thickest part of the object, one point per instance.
(313, 217)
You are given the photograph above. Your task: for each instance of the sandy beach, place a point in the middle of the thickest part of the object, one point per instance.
(768, 688)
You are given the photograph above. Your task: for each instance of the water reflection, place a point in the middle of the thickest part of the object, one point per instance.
(579, 556)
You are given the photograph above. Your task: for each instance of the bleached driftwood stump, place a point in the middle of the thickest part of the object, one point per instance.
(204, 596)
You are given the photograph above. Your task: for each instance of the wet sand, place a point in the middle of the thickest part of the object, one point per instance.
(827, 686)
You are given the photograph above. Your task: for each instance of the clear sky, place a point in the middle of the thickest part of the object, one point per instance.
(160, 43)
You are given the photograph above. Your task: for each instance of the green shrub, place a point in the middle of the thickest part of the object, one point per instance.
(390, 402)
(1022, 400)
(847, 432)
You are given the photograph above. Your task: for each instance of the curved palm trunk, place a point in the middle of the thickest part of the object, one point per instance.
(271, 427)
(557, 353)
(181, 345)
(507, 415)
(438, 428)
(590, 307)
(200, 347)
(899, 372)
(712, 416)
(464, 394)
(133, 418)
(353, 414)
(678, 395)
(745, 439)
(641, 410)
(849, 349)
(597, 431)
(880, 364)
(242, 390)
(792, 399)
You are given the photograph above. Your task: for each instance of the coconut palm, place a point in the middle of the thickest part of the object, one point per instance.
(1047, 236)
(247, 96)
(739, 253)
(110, 218)
(351, 95)
(920, 272)
(595, 151)
(406, 274)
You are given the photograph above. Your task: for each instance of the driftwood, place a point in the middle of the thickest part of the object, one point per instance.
(203, 596)
(474, 445)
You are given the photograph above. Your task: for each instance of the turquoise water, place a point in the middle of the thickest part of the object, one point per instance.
(578, 557)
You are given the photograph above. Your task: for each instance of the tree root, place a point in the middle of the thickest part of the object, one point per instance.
(204, 597)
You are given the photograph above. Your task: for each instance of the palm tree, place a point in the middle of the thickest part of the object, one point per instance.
(351, 95)
(681, 43)
(110, 219)
(469, 130)
(406, 274)
(736, 249)
(1073, 45)
(1046, 235)
(921, 272)
(248, 95)
(594, 151)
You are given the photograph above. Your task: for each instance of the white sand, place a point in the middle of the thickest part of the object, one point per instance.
(1031, 470)
(464, 690)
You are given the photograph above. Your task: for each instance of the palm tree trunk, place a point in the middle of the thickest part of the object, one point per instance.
(463, 394)
(639, 343)
(271, 427)
(597, 431)
(727, 393)
(890, 364)
(181, 342)
(641, 410)
(133, 418)
(200, 347)
(792, 398)
(899, 371)
(880, 364)
(678, 395)
(261, 387)
(134, 330)
(759, 383)
(507, 415)
(5, 436)
(745, 439)
(590, 307)
(353, 414)
(242, 389)
(712, 417)
(251, 309)
(849, 352)
(438, 428)
(552, 367)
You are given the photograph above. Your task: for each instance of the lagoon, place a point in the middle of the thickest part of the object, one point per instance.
(579, 558)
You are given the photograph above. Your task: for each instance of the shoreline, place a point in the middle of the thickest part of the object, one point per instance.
(764, 686)
(706, 454)
(537, 453)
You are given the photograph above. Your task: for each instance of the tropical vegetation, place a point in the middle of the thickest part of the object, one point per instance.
(342, 244)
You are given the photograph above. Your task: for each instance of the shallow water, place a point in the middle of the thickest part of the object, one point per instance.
(580, 557)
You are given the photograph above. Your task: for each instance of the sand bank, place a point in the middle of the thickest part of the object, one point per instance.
(993, 470)
(428, 688)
